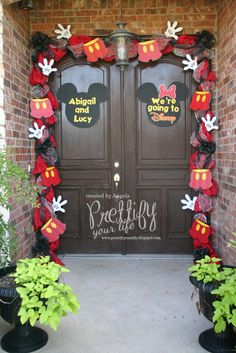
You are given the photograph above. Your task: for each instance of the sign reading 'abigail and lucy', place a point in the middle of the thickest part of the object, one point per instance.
(83, 108)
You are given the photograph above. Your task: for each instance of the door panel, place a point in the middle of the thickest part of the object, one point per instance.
(71, 218)
(151, 196)
(177, 219)
(153, 164)
(173, 144)
(86, 156)
(86, 145)
(159, 157)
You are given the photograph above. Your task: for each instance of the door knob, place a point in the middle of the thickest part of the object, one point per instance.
(116, 180)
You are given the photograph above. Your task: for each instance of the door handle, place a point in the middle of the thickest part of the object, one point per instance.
(116, 180)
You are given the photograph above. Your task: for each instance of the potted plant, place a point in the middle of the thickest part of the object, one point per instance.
(42, 298)
(14, 182)
(27, 290)
(217, 301)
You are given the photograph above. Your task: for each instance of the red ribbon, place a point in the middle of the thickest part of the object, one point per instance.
(170, 92)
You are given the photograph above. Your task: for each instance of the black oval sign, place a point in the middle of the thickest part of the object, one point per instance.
(82, 108)
(163, 106)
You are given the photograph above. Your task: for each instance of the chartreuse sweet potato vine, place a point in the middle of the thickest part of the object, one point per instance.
(207, 270)
(44, 298)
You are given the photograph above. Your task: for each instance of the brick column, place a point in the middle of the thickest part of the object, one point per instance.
(224, 217)
(2, 113)
(15, 63)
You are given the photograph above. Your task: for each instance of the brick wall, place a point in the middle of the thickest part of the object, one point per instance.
(142, 16)
(16, 63)
(224, 218)
(2, 113)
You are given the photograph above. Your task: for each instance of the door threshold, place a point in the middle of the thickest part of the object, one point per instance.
(131, 256)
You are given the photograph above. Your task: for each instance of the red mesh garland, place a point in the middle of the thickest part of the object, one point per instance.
(74, 40)
(212, 192)
(41, 215)
(200, 161)
(204, 75)
(52, 248)
(40, 165)
(36, 77)
(58, 53)
(203, 203)
(53, 100)
(133, 50)
(186, 40)
(182, 52)
(110, 56)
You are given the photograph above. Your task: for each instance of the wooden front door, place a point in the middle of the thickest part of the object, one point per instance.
(124, 176)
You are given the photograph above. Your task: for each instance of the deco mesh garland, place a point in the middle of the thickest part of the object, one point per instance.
(196, 51)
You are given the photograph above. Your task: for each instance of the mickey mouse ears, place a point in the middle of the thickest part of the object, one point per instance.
(68, 91)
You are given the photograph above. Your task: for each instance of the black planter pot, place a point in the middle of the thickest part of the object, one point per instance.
(22, 338)
(9, 299)
(224, 342)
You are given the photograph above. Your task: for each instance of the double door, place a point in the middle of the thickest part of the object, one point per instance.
(125, 175)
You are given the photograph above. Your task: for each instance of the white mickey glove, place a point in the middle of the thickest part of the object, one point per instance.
(188, 203)
(171, 30)
(36, 132)
(57, 204)
(190, 63)
(209, 123)
(63, 32)
(47, 66)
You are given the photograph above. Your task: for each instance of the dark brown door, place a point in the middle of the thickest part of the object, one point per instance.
(140, 212)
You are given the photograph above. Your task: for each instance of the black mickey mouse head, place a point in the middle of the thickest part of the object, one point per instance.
(163, 107)
(82, 109)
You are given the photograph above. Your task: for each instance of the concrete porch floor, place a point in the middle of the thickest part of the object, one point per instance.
(128, 305)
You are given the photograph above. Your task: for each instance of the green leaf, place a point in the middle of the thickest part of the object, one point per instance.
(22, 311)
(74, 307)
(30, 286)
(42, 309)
(217, 314)
(33, 319)
(64, 269)
(233, 319)
(50, 292)
(43, 317)
(220, 325)
(53, 323)
(44, 280)
(22, 291)
(23, 316)
(30, 313)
